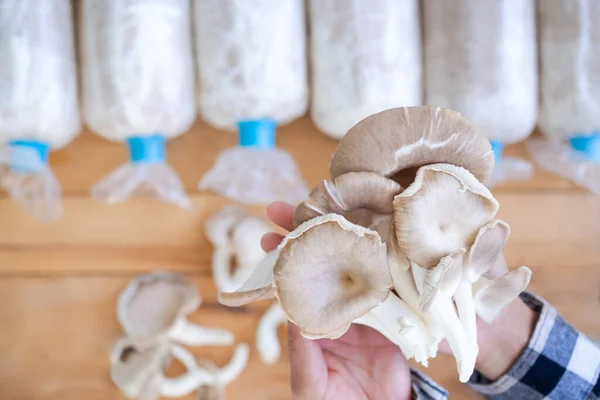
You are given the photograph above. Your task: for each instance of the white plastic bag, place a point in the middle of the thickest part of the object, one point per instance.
(366, 58)
(38, 99)
(138, 87)
(480, 60)
(251, 60)
(256, 172)
(570, 91)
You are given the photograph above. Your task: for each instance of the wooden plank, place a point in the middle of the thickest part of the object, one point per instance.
(547, 230)
(60, 331)
(90, 157)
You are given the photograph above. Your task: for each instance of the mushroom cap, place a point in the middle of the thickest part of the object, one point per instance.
(440, 213)
(486, 249)
(218, 227)
(410, 137)
(348, 192)
(330, 274)
(152, 303)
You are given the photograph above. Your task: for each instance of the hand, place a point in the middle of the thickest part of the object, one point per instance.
(362, 364)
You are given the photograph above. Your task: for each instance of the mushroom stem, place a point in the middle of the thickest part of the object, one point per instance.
(235, 366)
(463, 298)
(405, 286)
(195, 335)
(187, 383)
(221, 269)
(371, 320)
(402, 320)
(444, 313)
(267, 341)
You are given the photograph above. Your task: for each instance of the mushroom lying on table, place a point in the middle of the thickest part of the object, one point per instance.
(411, 263)
(236, 235)
(152, 310)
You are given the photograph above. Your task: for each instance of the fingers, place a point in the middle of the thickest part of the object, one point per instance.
(282, 214)
(308, 367)
(270, 241)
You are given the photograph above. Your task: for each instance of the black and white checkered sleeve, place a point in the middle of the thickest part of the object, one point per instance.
(558, 363)
(424, 388)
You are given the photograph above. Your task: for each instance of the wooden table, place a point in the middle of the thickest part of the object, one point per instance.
(59, 283)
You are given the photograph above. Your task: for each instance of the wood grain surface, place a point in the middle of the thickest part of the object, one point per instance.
(59, 283)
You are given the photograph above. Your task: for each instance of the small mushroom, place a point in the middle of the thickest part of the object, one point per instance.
(329, 272)
(410, 137)
(234, 234)
(440, 213)
(153, 309)
(139, 373)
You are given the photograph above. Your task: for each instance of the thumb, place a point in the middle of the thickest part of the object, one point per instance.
(307, 364)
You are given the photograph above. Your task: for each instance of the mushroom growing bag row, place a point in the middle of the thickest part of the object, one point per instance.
(570, 91)
(412, 262)
(480, 59)
(38, 99)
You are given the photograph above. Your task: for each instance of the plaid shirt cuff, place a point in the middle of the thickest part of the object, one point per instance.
(558, 363)
(423, 388)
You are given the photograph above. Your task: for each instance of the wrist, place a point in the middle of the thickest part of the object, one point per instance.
(503, 341)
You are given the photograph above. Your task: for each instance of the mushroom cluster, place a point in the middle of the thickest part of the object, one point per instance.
(152, 310)
(236, 235)
(413, 263)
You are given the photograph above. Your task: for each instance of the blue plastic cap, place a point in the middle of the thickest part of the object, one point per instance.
(588, 145)
(146, 149)
(257, 133)
(18, 164)
(497, 148)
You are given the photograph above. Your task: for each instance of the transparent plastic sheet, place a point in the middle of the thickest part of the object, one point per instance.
(251, 60)
(559, 158)
(152, 180)
(509, 169)
(256, 176)
(365, 58)
(138, 83)
(30, 182)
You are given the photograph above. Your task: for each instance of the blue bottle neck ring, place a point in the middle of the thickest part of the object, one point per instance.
(588, 146)
(497, 148)
(146, 149)
(257, 133)
(28, 156)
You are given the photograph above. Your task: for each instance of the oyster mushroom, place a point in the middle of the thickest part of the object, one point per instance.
(440, 213)
(234, 234)
(329, 272)
(139, 373)
(153, 309)
(410, 137)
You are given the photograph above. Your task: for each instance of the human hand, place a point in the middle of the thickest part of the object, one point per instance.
(362, 364)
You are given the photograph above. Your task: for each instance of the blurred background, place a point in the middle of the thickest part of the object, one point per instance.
(125, 125)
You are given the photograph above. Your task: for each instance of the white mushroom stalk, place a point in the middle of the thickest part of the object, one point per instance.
(267, 342)
(347, 280)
